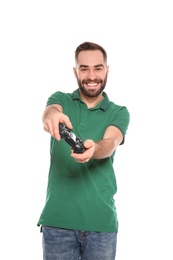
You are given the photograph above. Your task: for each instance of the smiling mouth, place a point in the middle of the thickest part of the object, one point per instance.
(92, 84)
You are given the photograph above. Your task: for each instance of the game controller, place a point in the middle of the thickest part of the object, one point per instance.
(75, 142)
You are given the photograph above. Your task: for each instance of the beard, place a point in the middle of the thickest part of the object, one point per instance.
(92, 92)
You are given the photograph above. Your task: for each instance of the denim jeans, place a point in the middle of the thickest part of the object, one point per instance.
(64, 244)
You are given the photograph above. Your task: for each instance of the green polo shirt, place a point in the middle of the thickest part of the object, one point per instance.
(80, 196)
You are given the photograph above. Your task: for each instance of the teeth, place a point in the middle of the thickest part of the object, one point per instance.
(92, 84)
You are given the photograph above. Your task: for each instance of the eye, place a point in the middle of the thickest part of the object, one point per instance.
(98, 68)
(83, 69)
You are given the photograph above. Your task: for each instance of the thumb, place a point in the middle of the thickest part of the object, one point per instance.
(89, 143)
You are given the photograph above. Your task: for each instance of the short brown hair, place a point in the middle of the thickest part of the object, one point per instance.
(90, 46)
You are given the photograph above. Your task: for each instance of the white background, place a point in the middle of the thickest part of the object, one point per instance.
(38, 40)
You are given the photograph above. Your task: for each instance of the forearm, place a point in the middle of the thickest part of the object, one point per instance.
(105, 148)
(51, 109)
(96, 150)
(52, 116)
(101, 149)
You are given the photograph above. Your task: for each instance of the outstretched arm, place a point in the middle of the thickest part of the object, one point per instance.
(101, 149)
(52, 116)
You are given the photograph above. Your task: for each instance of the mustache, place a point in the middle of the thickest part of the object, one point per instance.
(91, 81)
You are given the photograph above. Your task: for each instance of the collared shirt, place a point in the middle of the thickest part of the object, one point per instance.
(81, 196)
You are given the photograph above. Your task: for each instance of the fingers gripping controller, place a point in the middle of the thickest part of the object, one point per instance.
(75, 142)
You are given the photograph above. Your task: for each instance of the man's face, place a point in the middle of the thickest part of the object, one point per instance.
(91, 73)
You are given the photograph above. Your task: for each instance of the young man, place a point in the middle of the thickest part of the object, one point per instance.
(79, 219)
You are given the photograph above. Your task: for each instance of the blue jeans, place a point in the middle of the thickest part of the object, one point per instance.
(64, 244)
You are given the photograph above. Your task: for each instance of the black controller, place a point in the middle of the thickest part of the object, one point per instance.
(75, 142)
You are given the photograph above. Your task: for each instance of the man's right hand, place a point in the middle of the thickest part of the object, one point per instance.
(53, 115)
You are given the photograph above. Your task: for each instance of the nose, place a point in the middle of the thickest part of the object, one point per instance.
(91, 74)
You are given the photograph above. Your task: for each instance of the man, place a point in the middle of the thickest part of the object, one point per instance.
(79, 219)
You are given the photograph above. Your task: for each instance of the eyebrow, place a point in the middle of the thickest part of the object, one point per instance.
(86, 66)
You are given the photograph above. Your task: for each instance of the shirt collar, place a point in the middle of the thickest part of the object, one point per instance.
(102, 105)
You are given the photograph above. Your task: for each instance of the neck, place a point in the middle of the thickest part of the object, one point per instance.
(91, 101)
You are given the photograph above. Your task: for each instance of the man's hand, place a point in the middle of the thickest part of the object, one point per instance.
(101, 149)
(52, 117)
(87, 155)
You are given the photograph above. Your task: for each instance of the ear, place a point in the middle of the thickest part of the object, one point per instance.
(75, 72)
